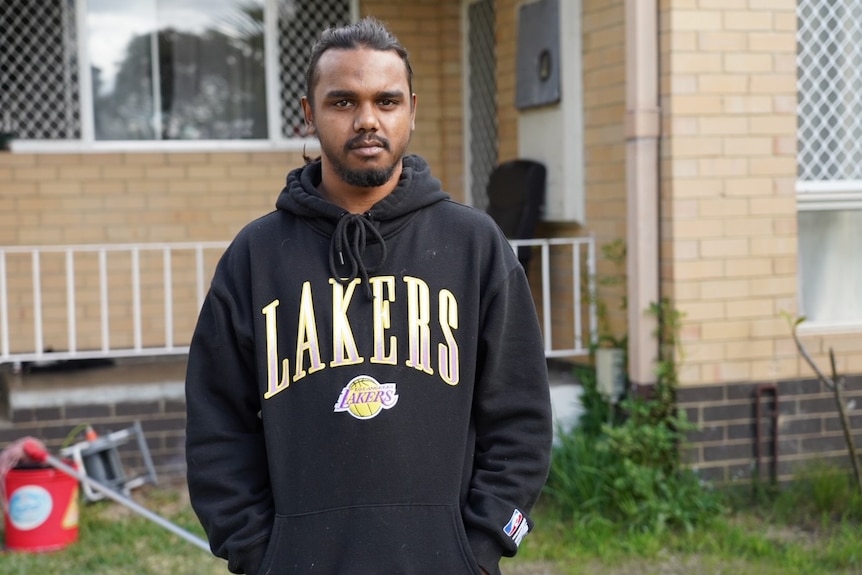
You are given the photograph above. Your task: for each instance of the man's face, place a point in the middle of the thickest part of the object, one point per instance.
(363, 115)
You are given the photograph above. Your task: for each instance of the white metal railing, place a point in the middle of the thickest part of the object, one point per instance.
(75, 301)
(580, 329)
(75, 281)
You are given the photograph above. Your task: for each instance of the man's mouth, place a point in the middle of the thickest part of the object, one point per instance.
(368, 147)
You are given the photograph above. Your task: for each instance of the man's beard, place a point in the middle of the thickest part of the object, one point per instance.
(364, 177)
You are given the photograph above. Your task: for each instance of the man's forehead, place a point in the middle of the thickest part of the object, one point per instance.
(341, 61)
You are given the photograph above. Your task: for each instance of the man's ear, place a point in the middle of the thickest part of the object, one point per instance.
(308, 115)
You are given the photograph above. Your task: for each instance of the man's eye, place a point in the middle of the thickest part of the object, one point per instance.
(342, 103)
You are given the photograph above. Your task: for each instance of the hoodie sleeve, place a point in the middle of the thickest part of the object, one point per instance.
(513, 425)
(225, 451)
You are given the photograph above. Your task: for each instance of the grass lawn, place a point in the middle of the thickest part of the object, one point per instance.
(740, 543)
(115, 541)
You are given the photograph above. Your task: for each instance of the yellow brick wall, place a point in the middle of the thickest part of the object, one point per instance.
(88, 198)
(431, 32)
(506, 29)
(728, 169)
(604, 69)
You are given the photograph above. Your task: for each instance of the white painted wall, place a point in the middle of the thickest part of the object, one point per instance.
(566, 407)
(553, 134)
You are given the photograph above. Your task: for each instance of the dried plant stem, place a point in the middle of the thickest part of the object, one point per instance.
(834, 383)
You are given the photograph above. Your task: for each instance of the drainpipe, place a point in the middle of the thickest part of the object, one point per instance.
(642, 129)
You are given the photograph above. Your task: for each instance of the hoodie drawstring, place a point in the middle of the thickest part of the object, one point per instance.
(350, 237)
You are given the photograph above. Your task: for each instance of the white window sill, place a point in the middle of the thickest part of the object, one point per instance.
(829, 195)
(114, 146)
(830, 328)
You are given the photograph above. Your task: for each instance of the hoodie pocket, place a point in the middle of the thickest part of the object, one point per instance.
(371, 540)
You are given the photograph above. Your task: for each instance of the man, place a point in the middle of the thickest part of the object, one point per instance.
(367, 390)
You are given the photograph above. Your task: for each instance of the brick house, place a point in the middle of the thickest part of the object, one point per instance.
(716, 137)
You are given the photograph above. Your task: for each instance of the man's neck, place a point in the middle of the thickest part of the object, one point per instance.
(354, 199)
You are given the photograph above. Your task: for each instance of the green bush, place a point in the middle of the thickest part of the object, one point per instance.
(629, 474)
(621, 465)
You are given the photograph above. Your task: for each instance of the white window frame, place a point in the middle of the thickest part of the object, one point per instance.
(827, 195)
(88, 143)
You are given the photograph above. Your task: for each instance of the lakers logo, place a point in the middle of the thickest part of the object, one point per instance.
(363, 397)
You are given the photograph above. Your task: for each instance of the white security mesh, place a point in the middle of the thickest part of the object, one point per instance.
(829, 62)
(482, 99)
(300, 24)
(38, 69)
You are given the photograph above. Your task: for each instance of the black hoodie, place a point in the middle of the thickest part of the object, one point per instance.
(384, 415)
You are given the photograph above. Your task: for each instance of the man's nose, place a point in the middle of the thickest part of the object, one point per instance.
(366, 118)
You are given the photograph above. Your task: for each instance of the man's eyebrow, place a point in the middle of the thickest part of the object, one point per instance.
(386, 94)
(391, 95)
(334, 94)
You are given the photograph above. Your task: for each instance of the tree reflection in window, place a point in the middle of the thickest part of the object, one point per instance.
(195, 71)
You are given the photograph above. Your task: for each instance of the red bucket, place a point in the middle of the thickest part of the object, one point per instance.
(42, 509)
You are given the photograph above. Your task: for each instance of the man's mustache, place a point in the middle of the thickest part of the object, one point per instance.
(362, 141)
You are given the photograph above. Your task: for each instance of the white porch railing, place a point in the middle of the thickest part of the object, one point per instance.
(101, 301)
(567, 278)
(127, 300)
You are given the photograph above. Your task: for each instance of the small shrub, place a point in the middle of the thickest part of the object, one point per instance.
(819, 489)
(596, 409)
(581, 473)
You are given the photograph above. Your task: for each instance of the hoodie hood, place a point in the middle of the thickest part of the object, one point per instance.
(416, 189)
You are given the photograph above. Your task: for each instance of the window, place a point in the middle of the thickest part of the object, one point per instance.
(156, 70)
(829, 186)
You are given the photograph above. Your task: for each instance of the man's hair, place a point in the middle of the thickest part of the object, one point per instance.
(366, 33)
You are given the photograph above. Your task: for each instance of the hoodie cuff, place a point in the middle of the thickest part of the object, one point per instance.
(486, 550)
(249, 561)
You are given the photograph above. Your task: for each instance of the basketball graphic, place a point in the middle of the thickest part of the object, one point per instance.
(364, 397)
(369, 408)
